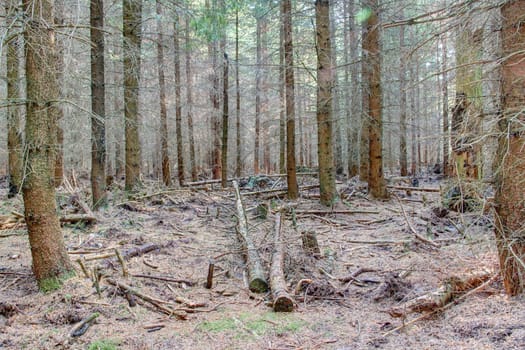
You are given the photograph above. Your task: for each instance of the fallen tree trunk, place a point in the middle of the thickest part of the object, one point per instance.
(256, 280)
(332, 212)
(450, 289)
(415, 189)
(309, 187)
(282, 301)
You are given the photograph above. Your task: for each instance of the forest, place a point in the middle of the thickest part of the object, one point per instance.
(264, 174)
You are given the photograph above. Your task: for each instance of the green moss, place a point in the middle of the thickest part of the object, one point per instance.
(103, 344)
(51, 284)
(218, 326)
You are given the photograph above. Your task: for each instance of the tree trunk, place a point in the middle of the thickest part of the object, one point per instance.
(237, 99)
(189, 100)
(376, 181)
(178, 104)
(337, 128)
(98, 105)
(225, 112)
(352, 110)
(293, 190)
(258, 90)
(163, 132)
(132, 22)
(403, 163)
(50, 259)
(282, 101)
(59, 71)
(446, 139)
(510, 194)
(325, 82)
(14, 134)
(365, 115)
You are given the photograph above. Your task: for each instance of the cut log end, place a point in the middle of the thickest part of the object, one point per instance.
(258, 285)
(283, 303)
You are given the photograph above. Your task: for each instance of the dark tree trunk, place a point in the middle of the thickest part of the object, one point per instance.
(98, 105)
(189, 100)
(178, 104)
(293, 190)
(403, 162)
(364, 146)
(237, 100)
(224, 153)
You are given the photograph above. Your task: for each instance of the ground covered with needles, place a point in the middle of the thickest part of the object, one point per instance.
(374, 259)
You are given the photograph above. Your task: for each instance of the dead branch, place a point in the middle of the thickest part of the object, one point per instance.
(415, 189)
(165, 278)
(256, 280)
(81, 327)
(75, 218)
(332, 212)
(153, 301)
(413, 230)
(282, 301)
(309, 187)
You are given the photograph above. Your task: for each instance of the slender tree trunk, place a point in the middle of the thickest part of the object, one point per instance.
(376, 181)
(50, 259)
(14, 134)
(132, 21)
(352, 116)
(446, 138)
(293, 189)
(258, 91)
(163, 132)
(325, 82)
(403, 163)
(189, 100)
(282, 101)
(59, 71)
(510, 193)
(178, 103)
(98, 105)
(337, 128)
(225, 116)
(365, 115)
(237, 99)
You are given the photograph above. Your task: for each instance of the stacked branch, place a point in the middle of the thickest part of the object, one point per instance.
(282, 301)
(256, 280)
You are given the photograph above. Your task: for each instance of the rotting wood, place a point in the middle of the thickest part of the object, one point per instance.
(415, 189)
(75, 199)
(130, 253)
(209, 278)
(310, 244)
(153, 301)
(282, 301)
(450, 289)
(256, 279)
(444, 307)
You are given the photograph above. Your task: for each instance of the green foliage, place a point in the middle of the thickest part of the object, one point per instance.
(51, 284)
(218, 326)
(103, 344)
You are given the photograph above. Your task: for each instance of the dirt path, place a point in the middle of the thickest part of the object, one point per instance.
(192, 227)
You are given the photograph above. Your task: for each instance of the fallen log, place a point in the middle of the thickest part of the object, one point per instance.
(75, 218)
(450, 289)
(282, 301)
(256, 280)
(128, 254)
(332, 212)
(285, 189)
(415, 189)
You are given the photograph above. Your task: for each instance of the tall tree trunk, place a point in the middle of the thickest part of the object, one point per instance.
(352, 110)
(98, 105)
(282, 101)
(178, 103)
(376, 181)
(364, 146)
(258, 91)
(14, 134)
(132, 22)
(325, 82)
(225, 116)
(50, 259)
(510, 193)
(446, 139)
(59, 71)
(337, 128)
(163, 132)
(293, 189)
(238, 167)
(403, 163)
(189, 100)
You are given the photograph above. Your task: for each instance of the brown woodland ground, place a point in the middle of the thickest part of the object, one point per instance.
(192, 226)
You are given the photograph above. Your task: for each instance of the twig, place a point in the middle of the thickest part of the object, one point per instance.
(412, 229)
(122, 263)
(163, 278)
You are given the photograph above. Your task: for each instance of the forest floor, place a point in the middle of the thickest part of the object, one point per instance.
(192, 226)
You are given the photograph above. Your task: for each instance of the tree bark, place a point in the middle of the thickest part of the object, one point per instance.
(178, 104)
(50, 259)
(510, 194)
(189, 100)
(293, 190)
(446, 138)
(365, 110)
(163, 132)
(238, 140)
(376, 181)
(225, 116)
(325, 82)
(14, 134)
(59, 113)
(132, 21)
(352, 116)
(98, 105)
(282, 301)
(403, 162)
(282, 100)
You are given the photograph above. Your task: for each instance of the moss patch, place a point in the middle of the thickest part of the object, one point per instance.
(51, 284)
(103, 344)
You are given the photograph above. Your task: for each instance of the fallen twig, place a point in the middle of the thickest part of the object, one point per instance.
(81, 327)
